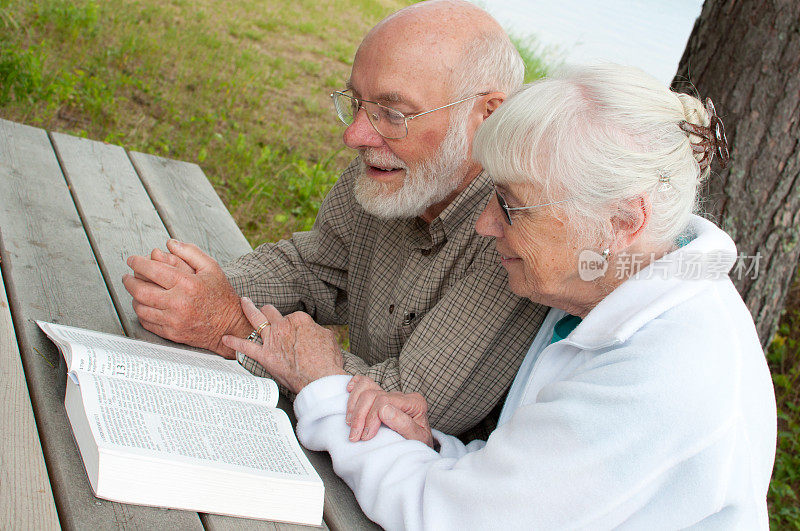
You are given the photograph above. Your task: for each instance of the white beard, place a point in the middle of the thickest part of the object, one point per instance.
(424, 184)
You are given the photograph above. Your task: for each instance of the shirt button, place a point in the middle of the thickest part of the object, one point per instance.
(426, 252)
(391, 308)
(409, 317)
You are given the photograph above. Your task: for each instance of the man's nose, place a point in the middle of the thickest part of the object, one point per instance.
(491, 222)
(361, 134)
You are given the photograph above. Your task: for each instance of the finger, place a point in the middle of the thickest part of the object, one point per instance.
(142, 277)
(412, 403)
(191, 254)
(158, 255)
(402, 423)
(278, 332)
(248, 348)
(372, 421)
(145, 292)
(160, 273)
(352, 399)
(157, 329)
(272, 314)
(357, 385)
(252, 313)
(407, 403)
(359, 413)
(173, 260)
(179, 264)
(136, 257)
(150, 314)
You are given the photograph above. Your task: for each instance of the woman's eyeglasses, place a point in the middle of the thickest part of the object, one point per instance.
(507, 209)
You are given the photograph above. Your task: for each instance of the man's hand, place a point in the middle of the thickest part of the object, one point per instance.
(184, 296)
(369, 405)
(296, 350)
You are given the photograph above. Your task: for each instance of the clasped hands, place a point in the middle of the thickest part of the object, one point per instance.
(183, 295)
(368, 406)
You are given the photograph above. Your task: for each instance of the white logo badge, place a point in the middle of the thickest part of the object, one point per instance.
(591, 265)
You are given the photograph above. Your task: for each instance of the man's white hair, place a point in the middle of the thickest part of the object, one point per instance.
(599, 135)
(489, 62)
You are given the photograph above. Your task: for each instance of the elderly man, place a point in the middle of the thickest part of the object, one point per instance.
(393, 252)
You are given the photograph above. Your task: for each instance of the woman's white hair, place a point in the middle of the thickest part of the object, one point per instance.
(599, 135)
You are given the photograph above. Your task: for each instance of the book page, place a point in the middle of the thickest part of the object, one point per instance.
(122, 357)
(203, 429)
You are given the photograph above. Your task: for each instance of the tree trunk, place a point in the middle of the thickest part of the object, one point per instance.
(745, 56)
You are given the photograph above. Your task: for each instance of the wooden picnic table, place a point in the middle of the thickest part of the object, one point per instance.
(71, 211)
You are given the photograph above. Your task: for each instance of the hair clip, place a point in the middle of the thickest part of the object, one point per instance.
(712, 138)
(663, 178)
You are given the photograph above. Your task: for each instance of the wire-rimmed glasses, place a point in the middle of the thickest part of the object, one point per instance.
(507, 209)
(389, 123)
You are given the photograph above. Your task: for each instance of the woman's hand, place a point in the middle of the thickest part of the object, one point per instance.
(369, 406)
(295, 350)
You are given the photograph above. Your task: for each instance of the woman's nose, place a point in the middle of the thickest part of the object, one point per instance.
(490, 222)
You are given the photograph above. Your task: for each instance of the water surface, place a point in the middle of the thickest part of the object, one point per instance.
(650, 34)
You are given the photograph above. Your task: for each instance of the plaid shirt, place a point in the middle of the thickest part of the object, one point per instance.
(428, 305)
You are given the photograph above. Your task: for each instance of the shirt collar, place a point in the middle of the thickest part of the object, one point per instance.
(464, 208)
(465, 204)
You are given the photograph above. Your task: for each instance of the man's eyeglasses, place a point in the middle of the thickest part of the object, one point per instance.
(507, 209)
(388, 122)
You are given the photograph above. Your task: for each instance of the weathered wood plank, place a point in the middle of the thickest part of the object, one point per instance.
(120, 220)
(189, 206)
(26, 501)
(51, 273)
(116, 213)
(341, 511)
(173, 186)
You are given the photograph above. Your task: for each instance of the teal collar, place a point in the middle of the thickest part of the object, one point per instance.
(564, 326)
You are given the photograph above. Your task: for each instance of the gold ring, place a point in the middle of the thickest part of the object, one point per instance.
(261, 327)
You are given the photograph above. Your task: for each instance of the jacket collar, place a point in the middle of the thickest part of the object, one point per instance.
(664, 284)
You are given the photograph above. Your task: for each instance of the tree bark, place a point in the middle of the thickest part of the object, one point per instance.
(745, 56)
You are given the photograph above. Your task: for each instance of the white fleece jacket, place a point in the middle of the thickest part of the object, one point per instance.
(657, 411)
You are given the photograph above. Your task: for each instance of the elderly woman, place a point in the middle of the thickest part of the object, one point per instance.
(645, 400)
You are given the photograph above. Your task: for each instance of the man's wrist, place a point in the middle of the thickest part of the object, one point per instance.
(239, 327)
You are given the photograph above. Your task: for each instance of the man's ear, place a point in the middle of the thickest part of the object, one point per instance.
(492, 102)
(630, 221)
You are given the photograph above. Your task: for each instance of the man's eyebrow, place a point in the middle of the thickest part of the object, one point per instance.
(386, 97)
(391, 97)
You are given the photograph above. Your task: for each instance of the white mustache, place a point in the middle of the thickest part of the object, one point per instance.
(385, 159)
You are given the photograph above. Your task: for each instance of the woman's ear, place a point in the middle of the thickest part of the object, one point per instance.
(630, 221)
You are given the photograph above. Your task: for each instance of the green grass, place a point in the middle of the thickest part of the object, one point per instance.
(784, 360)
(242, 89)
(538, 59)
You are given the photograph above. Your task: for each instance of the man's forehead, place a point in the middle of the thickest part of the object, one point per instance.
(400, 78)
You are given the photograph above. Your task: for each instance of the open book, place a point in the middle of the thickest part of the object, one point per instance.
(168, 427)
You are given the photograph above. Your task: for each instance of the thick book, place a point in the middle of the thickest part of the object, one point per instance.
(168, 427)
